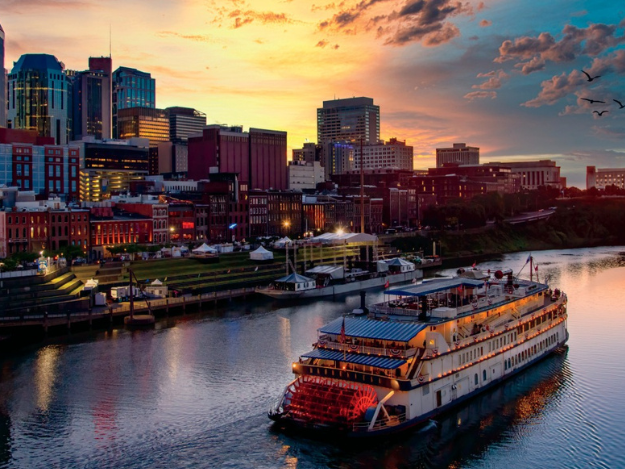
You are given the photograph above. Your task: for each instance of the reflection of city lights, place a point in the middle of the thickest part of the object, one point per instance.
(45, 375)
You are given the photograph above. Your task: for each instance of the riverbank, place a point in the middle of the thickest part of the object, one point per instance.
(504, 239)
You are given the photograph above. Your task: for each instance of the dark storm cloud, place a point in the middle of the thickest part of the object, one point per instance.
(591, 41)
(423, 21)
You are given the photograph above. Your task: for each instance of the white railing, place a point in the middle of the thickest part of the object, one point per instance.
(380, 423)
(362, 349)
(18, 273)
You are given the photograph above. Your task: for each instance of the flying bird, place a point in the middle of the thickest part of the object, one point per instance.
(591, 101)
(600, 113)
(589, 77)
(619, 103)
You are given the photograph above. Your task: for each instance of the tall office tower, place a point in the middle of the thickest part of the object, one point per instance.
(38, 97)
(460, 153)
(350, 119)
(184, 121)
(143, 122)
(131, 88)
(105, 66)
(3, 83)
(91, 101)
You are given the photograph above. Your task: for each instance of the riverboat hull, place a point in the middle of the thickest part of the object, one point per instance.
(341, 288)
(347, 431)
(421, 354)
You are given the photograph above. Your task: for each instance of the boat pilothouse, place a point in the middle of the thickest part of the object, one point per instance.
(425, 349)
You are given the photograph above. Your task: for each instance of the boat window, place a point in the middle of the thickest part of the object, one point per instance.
(484, 375)
(476, 379)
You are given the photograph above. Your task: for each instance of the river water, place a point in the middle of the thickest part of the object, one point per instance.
(194, 391)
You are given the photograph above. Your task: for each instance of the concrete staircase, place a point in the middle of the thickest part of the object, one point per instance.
(56, 289)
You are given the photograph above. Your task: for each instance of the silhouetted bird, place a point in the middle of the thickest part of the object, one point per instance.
(589, 77)
(600, 113)
(592, 101)
(619, 103)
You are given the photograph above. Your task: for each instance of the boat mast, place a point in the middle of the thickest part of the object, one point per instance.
(130, 294)
(531, 268)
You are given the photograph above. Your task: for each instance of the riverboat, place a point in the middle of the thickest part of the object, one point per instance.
(329, 280)
(427, 348)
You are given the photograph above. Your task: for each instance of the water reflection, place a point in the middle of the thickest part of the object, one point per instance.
(46, 375)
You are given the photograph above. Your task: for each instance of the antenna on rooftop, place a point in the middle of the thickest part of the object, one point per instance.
(110, 41)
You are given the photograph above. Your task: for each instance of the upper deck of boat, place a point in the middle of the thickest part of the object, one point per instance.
(446, 299)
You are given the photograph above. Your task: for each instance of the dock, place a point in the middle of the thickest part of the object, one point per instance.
(120, 310)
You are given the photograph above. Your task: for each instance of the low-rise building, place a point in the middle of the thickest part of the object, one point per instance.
(37, 225)
(392, 154)
(150, 207)
(459, 154)
(111, 226)
(604, 177)
(304, 175)
(108, 167)
(33, 163)
(534, 174)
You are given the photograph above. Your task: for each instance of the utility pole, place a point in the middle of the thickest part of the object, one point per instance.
(362, 188)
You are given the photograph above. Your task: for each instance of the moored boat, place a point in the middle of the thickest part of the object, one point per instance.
(426, 349)
(328, 280)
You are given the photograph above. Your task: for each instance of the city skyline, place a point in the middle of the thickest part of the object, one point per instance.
(503, 76)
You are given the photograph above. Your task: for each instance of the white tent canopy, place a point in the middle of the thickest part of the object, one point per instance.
(204, 249)
(400, 265)
(344, 238)
(261, 254)
(156, 282)
(282, 242)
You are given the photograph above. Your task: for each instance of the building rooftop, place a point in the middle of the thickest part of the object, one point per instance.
(37, 62)
(335, 103)
(133, 71)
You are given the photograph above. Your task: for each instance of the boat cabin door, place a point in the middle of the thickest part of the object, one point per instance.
(443, 396)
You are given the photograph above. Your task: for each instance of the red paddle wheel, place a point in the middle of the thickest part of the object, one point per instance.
(328, 401)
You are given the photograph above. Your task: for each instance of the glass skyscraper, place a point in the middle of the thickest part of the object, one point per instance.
(131, 88)
(350, 119)
(38, 97)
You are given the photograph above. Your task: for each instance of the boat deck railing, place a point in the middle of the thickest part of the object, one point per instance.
(483, 303)
(380, 423)
(411, 309)
(365, 349)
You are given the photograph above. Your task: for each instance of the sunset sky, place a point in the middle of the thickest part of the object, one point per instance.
(501, 75)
